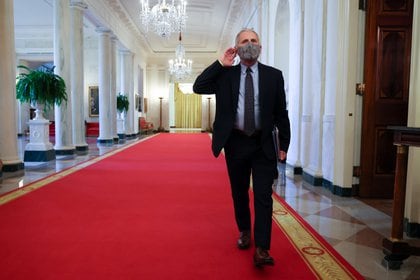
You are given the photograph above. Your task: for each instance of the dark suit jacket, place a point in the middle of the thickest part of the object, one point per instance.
(224, 83)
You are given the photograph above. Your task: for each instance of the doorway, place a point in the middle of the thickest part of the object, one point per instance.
(188, 108)
(385, 101)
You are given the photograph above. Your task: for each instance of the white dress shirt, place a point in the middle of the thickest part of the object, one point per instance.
(239, 121)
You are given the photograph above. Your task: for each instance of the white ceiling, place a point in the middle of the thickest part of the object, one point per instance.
(211, 27)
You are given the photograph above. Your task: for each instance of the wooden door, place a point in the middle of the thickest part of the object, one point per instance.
(385, 102)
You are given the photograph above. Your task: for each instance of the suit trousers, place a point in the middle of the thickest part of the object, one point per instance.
(245, 157)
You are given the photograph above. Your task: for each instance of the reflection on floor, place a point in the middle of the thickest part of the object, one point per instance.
(355, 228)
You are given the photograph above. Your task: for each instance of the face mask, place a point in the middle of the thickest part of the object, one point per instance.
(249, 51)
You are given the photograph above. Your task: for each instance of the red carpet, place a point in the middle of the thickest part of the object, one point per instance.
(159, 209)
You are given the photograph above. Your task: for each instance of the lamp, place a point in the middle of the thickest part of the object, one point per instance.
(209, 128)
(180, 67)
(164, 18)
(160, 128)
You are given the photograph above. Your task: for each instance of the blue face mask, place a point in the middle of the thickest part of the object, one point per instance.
(249, 51)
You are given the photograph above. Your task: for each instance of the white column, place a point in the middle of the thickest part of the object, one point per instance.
(8, 130)
(105, 135)
(23, 109)
(113, 88)
(63, 116)
(77, 76)
(345, 100)
(412, 203)
(296, 44)
(312, 101)
(131, 108)
(127, 85)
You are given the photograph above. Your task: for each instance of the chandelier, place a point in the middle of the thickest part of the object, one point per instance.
(164, 18)
(180, 67)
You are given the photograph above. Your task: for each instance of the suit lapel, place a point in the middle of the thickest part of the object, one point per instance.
(236, 78)
(262, 85)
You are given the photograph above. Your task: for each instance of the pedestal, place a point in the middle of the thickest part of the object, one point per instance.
(39, 147)
(121, 128)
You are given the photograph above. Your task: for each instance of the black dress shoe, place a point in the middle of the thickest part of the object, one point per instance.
(262, 257)
(244, 240)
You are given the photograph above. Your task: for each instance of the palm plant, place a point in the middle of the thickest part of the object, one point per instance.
(40, 87)
(122, 103)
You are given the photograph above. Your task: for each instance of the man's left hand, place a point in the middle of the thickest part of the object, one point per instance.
(282, 155)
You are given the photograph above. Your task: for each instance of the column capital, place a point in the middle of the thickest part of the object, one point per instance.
(103, 30)
(125, 52)
(78, 4)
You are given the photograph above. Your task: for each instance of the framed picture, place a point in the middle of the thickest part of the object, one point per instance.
(93, 101)
(137, 102)
(145, 105)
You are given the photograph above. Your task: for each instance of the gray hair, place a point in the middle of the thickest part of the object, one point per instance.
(245, 30)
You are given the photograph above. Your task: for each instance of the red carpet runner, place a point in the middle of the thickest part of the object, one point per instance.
(159, 209)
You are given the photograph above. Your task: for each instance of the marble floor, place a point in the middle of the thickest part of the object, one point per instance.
(355, 228)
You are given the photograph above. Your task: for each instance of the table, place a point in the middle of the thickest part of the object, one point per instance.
(395, 248)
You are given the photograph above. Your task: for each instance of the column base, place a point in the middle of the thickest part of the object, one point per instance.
(65, 152)
(13, 167)
(297, 170)
(82, 150)
(39, 156)
(130, 136)
(106, 142)
(121, 138)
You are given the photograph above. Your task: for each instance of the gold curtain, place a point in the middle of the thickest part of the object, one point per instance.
(187, 109)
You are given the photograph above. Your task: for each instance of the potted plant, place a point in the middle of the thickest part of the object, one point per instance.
(40, 87)
(122, 103)
(122, 108)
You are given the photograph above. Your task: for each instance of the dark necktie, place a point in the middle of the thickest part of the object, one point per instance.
(249, 117)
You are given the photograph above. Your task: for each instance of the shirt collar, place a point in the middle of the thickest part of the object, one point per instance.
(254, 68)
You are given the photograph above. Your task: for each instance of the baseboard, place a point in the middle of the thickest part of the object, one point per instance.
(314, 181)
(13, 167)
(296, 169)
(321, 182)
(105, 142)
(39, 156)
(412, 229)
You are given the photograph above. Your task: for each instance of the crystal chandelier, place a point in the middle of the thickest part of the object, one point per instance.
(180, 67)
(164, 18)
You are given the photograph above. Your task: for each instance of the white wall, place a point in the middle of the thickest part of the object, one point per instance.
(91, 72)
(158, 86)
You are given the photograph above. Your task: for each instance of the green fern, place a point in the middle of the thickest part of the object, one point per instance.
(40, 86)
(122, 103)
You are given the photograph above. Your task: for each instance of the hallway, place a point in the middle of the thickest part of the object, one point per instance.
(353, 227)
